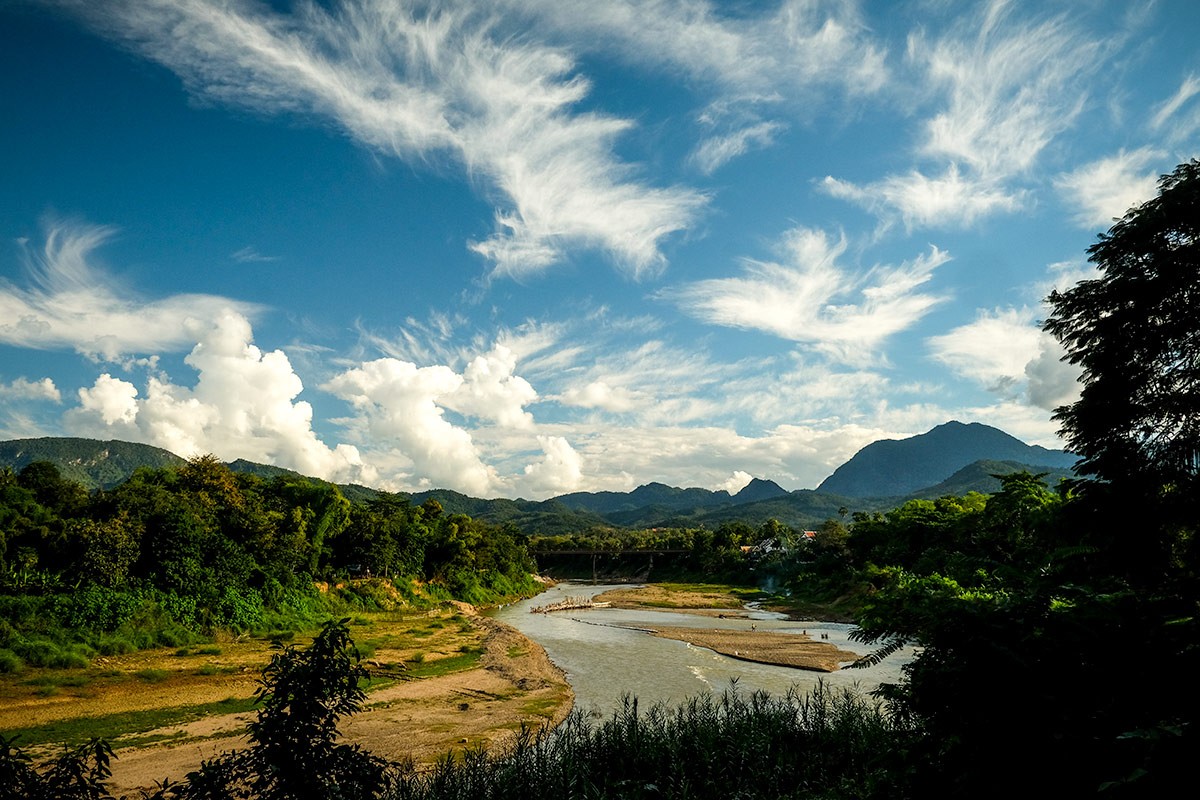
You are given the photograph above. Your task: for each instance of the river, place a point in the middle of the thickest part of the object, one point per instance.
(605, 657)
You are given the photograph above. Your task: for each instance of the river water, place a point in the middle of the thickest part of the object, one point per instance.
(605, 657)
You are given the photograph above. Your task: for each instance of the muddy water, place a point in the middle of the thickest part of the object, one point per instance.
(605, 657)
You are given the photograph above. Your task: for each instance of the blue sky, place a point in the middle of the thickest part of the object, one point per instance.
(529, 247)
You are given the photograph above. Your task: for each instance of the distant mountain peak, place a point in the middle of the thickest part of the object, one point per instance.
(759, 489)
(895, 467)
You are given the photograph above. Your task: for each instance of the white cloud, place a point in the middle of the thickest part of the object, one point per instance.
(25, 389)
(651, 382)
(242, 406)
(1104, 190)
(735, 483)
(489, 390)
(599, 394)
(1170, 108)
(1006, 351)
(715, 152)
(72, 303)
(1052, 381)
(560, 470)
(1014, 417)
(618, 458)
(416, 83)
(920, 201)
(250, 255)
(400, 405)
(1012, 84)
(1008, 85)
(993, 350)
(788, 50)
(812, 299)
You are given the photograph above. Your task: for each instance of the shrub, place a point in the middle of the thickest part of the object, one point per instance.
(112, 645)
(97, 608)
(10, 662)
(45, 653)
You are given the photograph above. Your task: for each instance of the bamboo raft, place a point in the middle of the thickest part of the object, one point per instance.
(568, 604)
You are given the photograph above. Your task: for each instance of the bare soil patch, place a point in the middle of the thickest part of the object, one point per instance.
(495, 681)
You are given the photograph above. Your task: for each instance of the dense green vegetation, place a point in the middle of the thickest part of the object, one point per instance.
(175, 553)
(1059, 627)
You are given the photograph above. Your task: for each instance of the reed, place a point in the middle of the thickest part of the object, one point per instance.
(825, 743)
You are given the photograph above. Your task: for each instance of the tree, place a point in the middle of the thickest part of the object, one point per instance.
(1133, 332)
(294, 749)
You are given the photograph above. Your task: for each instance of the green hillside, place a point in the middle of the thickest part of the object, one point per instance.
(89, 462)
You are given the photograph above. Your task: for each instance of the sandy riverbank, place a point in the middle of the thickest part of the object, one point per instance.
(767, 647)
(513, 683)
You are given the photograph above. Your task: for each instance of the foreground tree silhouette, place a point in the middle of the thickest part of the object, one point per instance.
(294, 751)
(1134, 332)
(77, 774)
(1050, 661)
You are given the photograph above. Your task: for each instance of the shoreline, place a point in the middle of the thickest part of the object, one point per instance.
(798, 651)
(764, 647)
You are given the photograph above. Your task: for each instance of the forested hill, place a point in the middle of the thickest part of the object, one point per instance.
(902, 467)
(918, 463)
(89, 462)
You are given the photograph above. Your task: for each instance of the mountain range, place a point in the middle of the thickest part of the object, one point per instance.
(953, 458)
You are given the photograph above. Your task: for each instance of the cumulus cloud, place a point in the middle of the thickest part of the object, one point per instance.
(446, 79)
(812, 299)
(558, 472)
(243, 405)
(70, 302)
(1006, 351)
(1052, 381)
(25, 389)
(735, 483)
(489, 390)
(401, 406)
(1104, 190)
(993, 350)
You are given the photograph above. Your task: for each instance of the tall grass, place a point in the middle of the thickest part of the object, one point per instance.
(823, 744)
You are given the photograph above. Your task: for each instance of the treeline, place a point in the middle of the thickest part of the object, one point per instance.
(175, 553)
(730, 553)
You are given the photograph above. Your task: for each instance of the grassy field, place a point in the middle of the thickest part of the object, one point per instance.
(136, 698)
